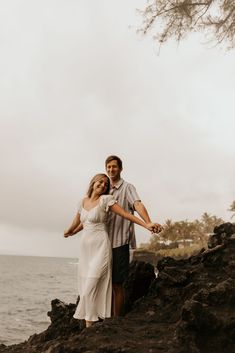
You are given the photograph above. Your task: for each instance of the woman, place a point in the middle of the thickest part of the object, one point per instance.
(95, 259)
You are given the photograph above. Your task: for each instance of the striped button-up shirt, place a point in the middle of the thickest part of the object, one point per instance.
(121, 231)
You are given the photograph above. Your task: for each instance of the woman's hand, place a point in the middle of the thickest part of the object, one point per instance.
(67, 234)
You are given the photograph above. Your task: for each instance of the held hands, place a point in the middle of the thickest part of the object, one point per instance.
(157, 228)
(154, 227)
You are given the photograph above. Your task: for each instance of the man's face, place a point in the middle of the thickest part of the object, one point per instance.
(113, 170)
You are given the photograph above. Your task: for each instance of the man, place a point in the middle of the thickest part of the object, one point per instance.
(121, 231)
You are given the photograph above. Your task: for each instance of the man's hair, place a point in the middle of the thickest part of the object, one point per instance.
(114, 158)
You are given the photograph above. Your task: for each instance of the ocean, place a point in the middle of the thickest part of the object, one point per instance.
(27, 286)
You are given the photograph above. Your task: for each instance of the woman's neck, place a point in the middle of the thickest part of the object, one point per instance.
(94, 197)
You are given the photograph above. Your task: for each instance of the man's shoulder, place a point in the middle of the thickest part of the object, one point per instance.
(127, 188)
(128, 184)
(124, 187)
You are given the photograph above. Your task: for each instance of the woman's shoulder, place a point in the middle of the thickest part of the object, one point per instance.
(81, 204)
(106, 201)
(105, 197)
(84, 199)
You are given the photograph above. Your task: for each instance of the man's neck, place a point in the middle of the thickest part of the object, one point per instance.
(113, 182)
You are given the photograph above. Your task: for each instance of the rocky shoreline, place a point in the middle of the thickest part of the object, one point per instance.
(188, 308)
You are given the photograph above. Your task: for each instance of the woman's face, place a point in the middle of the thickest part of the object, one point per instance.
(101, 185)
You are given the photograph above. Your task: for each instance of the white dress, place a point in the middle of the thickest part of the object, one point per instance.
(94, 263)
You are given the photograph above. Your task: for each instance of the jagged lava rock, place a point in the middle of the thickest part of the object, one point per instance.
(188, 308)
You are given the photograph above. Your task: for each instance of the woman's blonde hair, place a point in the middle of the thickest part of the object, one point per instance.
(96, 178)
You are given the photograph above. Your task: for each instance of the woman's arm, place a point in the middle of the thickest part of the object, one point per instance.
(75, 226)
(121, 212)
(78, 229)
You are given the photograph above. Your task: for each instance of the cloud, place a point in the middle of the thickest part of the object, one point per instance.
(77, 84)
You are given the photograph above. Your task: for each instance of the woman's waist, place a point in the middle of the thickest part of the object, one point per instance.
(92, 226)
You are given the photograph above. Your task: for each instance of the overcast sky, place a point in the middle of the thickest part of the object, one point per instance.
(78, 84)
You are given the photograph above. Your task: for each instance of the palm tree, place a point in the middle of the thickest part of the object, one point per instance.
(232, 209)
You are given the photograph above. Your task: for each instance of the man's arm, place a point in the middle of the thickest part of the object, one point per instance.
(143, 213)
(141, 210)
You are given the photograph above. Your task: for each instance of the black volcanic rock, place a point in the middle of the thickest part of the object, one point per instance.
(141, 275)
(221, 234)
(188, 308)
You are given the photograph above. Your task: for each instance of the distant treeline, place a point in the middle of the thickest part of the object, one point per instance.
(183, 238)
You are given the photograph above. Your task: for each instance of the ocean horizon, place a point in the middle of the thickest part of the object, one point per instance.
(28, 285)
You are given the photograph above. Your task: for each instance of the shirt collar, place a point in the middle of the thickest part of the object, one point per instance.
(118, 184)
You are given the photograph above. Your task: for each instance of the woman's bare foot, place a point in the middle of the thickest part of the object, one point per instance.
(89, 323)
